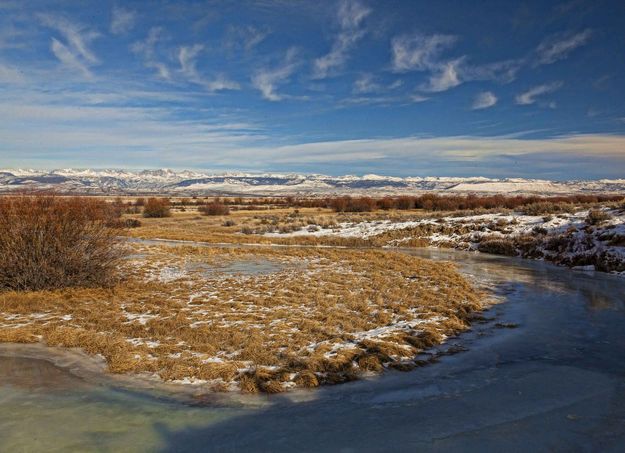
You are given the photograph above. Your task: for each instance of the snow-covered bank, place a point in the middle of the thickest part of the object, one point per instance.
(586, 239)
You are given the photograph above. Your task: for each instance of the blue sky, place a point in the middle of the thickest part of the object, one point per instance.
(447, 88)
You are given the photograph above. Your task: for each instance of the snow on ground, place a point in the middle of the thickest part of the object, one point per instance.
(584, 240)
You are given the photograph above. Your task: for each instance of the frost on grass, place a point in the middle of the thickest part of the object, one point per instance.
(208, 315)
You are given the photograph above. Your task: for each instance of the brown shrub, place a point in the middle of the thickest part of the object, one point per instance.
(156, 207)
(596, 216)
(49, 242)
(547, 207)
(214, 208)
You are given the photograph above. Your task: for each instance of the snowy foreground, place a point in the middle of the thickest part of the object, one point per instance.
(569, 239)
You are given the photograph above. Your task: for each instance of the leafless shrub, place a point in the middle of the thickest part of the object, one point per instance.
(547, 207)
(49, 242)
(596, 217)
(214, 208)
(156, 207)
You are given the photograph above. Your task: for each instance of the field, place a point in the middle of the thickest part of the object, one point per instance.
(265, 296)
(250, 318)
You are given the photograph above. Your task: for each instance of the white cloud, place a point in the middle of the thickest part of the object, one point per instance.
(529, 97)
(418, 52)
(83, 135)
(367, 83)
(244, 37)
(445, 77)
(351, 14)
(500, 71)
(9, 74)
(147, 49)
(69, 58)
(416, 150)
(267, 80)
(122, 20)
(77, 36)
(484, 100)
(558, 47)
(187, 56)
(74, 53)
(416, 98)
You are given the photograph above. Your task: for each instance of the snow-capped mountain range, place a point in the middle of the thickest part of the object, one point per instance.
(165, 181)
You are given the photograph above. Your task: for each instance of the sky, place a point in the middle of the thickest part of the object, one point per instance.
(532, 89)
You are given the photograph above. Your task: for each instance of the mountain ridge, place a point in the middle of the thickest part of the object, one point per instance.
(193, 182)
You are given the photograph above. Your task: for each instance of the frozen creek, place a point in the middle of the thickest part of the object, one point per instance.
(554, 383)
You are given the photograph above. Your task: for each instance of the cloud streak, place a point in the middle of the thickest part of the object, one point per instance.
(10, 74)
(267, 80)
(558, 47)
(122, 20)
(351, 14)
(529, 97)
(147, 50)
(419, 52)
(187, 57)
(423, 53)
(74, 53)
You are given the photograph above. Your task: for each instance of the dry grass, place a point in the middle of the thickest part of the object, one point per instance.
(314, 317)
(191, 226)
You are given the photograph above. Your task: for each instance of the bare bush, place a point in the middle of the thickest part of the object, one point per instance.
(49, 242)
(596, 217)
(547, 207)
(156, 208)
(214, 208)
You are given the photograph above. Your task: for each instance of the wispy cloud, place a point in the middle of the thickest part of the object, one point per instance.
(266, 80)
(367, 83)
(10, 74)
(419, 52)
(12, 37)
(559, 46)
(499, 71)
(147, 50)
(484, 100)
(416, 98)
(529, 96)
(446, 76)
(187, 56)
(122, 20)
(414, 153)
(351, 14)
(69, 58)
(74, 53)
(244, 38)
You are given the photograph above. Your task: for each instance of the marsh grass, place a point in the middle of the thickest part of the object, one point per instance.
(329, 316)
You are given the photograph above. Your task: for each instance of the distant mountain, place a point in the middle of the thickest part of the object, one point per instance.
(165, 181)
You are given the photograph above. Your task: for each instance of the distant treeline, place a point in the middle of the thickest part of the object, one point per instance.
(427, 202)
(433, 202)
